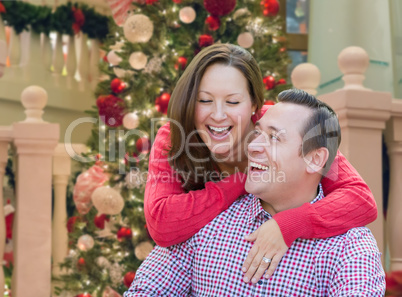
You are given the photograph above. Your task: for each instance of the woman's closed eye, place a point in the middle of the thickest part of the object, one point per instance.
(204, 100)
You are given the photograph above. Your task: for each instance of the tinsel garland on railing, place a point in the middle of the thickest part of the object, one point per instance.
(67, 19)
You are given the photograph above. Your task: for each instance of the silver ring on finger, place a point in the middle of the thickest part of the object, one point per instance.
(266, 260)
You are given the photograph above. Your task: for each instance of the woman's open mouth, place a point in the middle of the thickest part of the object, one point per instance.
(219, 132)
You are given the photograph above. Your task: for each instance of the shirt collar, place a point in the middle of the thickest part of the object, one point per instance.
(253, 207)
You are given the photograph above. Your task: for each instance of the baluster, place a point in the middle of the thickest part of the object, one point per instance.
(15, 48)
(3, 48)
(393, 137)
(34, 69)
(3, 57)
(58, 58)
(306, 77)
(2, 29)
(5, 139)
(47, 51)
(83, 65)
(71, 63)
(61, 174)
(94, 63)
(35, 141)
(353, 61)
(14, 51)
(362, 115)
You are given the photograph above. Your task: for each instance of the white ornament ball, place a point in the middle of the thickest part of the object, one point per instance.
(107, 201)
(142, 250)
(113, 58)
(138, 28)
(134, 179)
(138, 60)
(85, 242)
(187, 15)
(245, 39)
(131, 120)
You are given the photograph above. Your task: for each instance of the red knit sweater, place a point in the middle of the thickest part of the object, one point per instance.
(173, 216)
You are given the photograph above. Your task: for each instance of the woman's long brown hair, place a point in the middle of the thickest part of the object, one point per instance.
(182, 108)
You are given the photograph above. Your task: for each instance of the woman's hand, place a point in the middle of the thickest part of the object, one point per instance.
(268, 244)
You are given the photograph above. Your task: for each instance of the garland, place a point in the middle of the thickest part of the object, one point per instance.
(69, 19)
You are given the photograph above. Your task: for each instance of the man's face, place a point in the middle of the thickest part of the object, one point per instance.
(276, 169)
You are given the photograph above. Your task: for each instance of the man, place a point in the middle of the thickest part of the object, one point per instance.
(296, 141)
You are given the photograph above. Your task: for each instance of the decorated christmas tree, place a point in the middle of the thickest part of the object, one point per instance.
(147, 51)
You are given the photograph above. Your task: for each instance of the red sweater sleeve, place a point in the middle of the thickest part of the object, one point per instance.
(172, 215)
(348, 203)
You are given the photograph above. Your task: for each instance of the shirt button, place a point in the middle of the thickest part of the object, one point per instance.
(260, 282)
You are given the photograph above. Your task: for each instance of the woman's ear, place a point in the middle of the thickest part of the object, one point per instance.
(316, 160)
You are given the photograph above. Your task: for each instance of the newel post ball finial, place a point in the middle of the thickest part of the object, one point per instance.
(34, 99)
(306, 77)
(353, 62)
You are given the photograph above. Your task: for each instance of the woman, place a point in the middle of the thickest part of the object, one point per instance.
(197, 162)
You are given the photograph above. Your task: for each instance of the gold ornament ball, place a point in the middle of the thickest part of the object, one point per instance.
(187, 15)
(102, 262)
(138, 60)
(138, 28)
(107, 200)
(85, 242)
(241, 13)
(245, 39)
(142, 250)
(120, 73)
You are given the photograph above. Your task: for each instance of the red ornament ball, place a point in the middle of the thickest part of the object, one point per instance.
(269, 82)
(205, 40)
(99, 221)
(83, 295)
(143, 145)
(213, 23)
(181, 63)
(270, 7)
(124, 233)
(117, 85)
(71, 223)
(80, 263)
(269, 102)
(282, 49)
(177, 1)
(150, 2)
(219, 7)
(128, 278)
(131, 159)
(281, 81)
(162, 103)
(111, 110)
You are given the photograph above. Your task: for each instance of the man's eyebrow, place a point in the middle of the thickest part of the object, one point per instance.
(273, 128)
(270, 127)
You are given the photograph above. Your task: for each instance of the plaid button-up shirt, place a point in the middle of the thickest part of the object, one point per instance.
(209, 263)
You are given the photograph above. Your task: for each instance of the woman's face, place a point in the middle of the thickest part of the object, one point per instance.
(223, 111)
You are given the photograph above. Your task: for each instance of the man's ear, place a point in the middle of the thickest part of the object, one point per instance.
(316, 160)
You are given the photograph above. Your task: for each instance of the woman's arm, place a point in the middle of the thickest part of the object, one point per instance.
(172, 215)
(348, 203)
